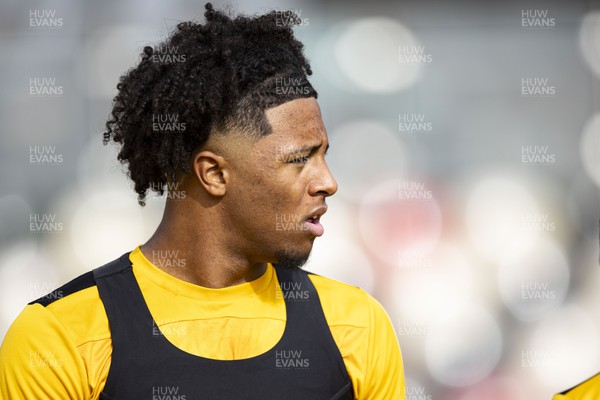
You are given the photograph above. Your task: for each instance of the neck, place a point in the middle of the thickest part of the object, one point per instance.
(198, 256)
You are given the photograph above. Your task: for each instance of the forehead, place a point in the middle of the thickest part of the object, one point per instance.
(297, 120)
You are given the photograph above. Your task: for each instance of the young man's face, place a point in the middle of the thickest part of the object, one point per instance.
(279, 183)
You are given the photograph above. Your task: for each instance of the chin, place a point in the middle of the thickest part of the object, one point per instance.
(290, 259)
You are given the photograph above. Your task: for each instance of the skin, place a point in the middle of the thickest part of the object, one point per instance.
(240, 188)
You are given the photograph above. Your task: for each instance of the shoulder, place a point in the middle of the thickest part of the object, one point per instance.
(77, 307)
(366, 339)
(587, 390)
(71, 288)
(349, 304)
(40, 353)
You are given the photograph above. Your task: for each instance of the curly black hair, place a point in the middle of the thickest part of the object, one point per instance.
(216, 76)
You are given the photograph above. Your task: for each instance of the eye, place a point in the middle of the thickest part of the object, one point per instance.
(300, 160)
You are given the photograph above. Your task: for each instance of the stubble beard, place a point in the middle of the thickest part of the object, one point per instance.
(288, 259)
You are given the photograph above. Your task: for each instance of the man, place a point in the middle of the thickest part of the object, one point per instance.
(587, 390)
(214, 305)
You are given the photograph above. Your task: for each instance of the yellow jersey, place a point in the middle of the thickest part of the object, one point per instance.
(63, 350)
(587, 390)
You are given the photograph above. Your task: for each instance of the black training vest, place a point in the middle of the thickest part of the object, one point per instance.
(304, 365)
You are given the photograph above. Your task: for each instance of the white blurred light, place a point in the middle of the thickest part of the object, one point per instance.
(495, 210)
(582, 203)
(25, 275)
(427, 293)
(464, 347)
(400, 221)
(563, 348)
(104, 225)
(361, 151)
(534, 280)
(367, 53)
(336, 255)
(589, 40)
(416, 390)
(496, 388)
(589, 148)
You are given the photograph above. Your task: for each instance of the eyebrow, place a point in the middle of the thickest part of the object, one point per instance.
(310, 149)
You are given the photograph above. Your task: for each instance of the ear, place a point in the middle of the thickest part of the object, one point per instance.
(211, 172)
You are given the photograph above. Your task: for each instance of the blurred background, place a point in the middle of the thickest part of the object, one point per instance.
(465, 139)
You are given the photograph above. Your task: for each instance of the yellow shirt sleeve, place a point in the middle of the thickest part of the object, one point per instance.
(39, 361)
(588, 390)
(384, 373)
(366, 339)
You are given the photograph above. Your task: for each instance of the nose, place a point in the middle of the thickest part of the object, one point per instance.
(324, 183)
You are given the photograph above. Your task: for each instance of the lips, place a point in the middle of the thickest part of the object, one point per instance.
(315, 228)
(312, 221)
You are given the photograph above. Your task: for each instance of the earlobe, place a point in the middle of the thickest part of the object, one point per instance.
(210, 171)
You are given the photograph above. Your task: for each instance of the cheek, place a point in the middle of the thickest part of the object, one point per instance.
(254, 197)
(268, 192)
(287, 194)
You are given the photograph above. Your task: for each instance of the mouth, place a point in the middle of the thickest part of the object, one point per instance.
(312, 222)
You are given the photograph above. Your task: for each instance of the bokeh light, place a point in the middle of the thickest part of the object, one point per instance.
(367, 52)
(92, 228)
(441, 283)
(590, 148)
(464, 346)
(589, 40)
(361, 151)
(337, 254)
(495, 388)
(564, 347)
(534, 280)
(400, 221)
(495, 210)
